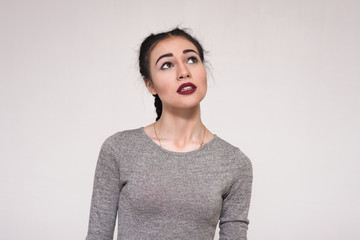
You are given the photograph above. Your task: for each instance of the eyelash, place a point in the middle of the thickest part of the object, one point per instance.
(169, 64)
(194, 59)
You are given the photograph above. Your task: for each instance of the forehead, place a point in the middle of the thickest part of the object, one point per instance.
(175, 45)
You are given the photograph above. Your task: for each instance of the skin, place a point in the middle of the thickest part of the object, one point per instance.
(175, 61)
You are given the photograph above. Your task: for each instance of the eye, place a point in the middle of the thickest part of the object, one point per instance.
(166, 65)
(192, 60)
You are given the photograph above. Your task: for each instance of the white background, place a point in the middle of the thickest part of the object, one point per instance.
(284, 86)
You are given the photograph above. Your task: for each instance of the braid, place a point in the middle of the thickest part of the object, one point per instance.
(158, 106)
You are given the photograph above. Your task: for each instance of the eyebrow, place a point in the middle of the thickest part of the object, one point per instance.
(170, 54)
(165, 55)
(189, 50)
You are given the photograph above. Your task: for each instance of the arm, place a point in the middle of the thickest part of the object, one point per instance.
(105, 196)
(234, 214)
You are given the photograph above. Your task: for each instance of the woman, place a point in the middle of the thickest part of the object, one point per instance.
(173, 179)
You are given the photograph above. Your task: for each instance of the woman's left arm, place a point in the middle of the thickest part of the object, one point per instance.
(234, 214)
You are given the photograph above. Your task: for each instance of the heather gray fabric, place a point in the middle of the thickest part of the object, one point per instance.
(160, 194)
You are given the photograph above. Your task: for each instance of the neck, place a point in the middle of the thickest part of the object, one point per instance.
(181, 128)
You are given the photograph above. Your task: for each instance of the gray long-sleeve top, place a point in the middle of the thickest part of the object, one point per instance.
(160, 194)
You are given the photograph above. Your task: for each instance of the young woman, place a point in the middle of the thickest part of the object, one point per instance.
(172, 179)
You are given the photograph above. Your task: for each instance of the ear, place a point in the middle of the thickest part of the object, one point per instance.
(150, 86)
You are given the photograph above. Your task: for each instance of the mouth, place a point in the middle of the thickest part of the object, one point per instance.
(186, 88)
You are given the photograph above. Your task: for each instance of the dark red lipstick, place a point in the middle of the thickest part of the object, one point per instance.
(186, 88)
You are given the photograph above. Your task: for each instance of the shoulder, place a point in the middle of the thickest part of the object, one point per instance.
(231, 154)
(126, 138)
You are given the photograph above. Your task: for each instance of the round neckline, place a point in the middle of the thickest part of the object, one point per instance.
(204, 146)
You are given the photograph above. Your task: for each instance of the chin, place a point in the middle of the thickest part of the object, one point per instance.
(190, 104)
(184, 102)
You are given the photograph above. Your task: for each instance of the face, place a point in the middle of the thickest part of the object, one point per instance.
(177, 74)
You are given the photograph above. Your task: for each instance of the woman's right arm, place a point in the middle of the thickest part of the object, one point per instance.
(104, 203)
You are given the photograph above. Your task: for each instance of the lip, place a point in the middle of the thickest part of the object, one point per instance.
(190, 91)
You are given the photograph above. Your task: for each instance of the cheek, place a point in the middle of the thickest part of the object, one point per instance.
(202, 76)
(162, 84)
(204, 82)
(201, 72)
(201, 80)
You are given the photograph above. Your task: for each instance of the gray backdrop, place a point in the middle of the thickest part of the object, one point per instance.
(283, 86)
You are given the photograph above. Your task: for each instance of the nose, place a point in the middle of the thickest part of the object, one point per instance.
(183, 72)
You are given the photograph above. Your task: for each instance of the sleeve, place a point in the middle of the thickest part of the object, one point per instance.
(234, 213)
(104, 202)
